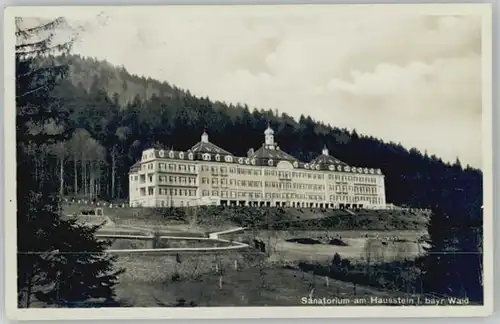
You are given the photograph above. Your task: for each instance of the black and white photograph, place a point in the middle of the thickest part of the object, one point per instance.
(247, 161)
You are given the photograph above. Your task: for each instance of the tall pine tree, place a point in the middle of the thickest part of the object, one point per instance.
(59, 261)
(453, 262)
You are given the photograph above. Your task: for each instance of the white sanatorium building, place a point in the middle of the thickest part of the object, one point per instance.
(208, 175)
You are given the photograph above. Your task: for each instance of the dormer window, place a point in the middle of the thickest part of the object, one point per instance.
(240, 160)
(295, 164)
(306, 166)
(347, 169)
(270, 162)
(339, 168)
(252, 161)
(190, 156)
(217, 157)
(379, 172)
(365, 170)
(171, 154)
(181, 155)
(372, 171)
(317, 166)
(247, 161)
(162, 153)
(206, 157)
(331, 167)
(360, 170)
(229, 158)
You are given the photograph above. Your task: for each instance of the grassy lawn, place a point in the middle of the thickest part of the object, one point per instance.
(284, 249)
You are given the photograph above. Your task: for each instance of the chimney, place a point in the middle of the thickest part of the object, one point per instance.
(250, 153)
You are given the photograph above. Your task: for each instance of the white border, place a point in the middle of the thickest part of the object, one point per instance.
(483, 10)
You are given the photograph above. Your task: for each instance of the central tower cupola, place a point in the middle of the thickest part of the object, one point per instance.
(269, 137)
(204, 137)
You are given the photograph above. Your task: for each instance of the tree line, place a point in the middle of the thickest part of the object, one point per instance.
(112, 130)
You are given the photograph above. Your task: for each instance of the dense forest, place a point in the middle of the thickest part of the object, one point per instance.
(116, 115)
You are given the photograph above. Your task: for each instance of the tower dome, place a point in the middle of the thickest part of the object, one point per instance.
(269, 130)
(269, 137)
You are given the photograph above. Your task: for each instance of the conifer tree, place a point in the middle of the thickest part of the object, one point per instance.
(453, 262)
(59, 261)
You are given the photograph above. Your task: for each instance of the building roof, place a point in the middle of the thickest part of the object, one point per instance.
(207, 147)
(325, 161)
(266, 153)
(136, 166)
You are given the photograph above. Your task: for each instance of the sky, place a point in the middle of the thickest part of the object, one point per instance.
(404, 77)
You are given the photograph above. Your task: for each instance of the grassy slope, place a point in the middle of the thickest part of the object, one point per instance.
(150, 281)
(213, 218)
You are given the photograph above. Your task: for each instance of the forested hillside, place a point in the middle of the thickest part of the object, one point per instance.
(116, 115)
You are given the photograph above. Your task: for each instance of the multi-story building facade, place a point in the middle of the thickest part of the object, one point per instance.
(207, 174)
